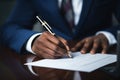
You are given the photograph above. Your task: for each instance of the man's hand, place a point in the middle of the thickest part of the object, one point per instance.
(49, 46)
(93, 44)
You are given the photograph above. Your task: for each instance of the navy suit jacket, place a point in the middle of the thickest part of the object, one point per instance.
(96, 16)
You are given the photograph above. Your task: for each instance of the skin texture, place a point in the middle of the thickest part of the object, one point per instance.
(50, 46)
(93, 44)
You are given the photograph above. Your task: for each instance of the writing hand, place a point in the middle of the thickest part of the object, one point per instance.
(49, 46)
(92, 44)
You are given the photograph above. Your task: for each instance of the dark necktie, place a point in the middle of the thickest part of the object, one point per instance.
(67, 12)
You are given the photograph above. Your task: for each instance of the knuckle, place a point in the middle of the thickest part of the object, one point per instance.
(52, 53)
(55, 48)
(94, 48)
(97, 40)
(84, 48)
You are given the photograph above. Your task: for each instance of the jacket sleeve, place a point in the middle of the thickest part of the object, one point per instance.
(17, 28)
(116, 11)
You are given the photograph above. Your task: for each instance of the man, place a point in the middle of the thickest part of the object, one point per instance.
(92, 29)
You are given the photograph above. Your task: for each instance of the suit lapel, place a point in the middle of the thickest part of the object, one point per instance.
(85, 10)
(59, 18)
(56, 13)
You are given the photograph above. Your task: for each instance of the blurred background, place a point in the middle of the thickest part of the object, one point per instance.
(5, 8)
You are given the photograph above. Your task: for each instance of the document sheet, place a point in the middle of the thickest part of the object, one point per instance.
(80, 62)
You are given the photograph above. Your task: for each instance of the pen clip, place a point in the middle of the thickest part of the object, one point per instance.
(46, 25)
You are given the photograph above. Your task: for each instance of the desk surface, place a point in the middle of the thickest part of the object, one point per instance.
(12, 68)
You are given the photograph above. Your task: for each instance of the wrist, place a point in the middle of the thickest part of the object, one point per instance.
(30, 41)
(110, 37)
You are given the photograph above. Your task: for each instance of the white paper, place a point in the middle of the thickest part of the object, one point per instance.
(79, 62)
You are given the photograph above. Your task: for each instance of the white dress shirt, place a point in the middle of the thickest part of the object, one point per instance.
(77, 8)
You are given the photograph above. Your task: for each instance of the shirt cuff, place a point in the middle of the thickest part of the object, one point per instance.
(29, 42)
(109, 36)
(30, 59)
